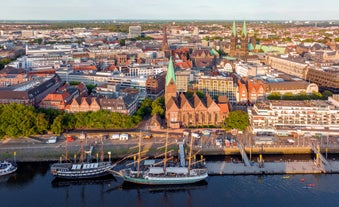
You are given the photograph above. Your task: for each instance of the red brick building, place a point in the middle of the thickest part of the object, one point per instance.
(182, 111)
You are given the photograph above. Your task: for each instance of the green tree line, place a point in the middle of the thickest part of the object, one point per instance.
(17, 120)
(301, 96)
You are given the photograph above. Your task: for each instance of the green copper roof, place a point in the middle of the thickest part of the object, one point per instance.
(278, 50)
(250, 47)
(214, 52)
(229, 58)
(170, 72)
(244, 29)
(234, 29)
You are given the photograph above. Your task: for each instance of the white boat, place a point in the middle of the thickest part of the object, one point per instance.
(82, 169)
(165, 175)
(7, 167)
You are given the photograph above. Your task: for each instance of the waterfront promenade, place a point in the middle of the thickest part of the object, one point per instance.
(36, 150)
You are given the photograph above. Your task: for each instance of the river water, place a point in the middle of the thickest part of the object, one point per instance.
(33, 186)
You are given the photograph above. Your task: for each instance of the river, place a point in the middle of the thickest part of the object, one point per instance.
(32, 185)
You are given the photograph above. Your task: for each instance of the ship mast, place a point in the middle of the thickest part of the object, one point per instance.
(190, 156)
(102, 151)
(165, 157)
(82, 152)
(66, 153)
(139, 154)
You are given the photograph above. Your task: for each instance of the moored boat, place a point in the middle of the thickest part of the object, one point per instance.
(7, 167)
(165, 175)
(82, 169)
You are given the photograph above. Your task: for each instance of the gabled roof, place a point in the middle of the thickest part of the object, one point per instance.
(184, 101)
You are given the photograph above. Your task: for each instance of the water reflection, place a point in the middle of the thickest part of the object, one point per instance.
(106, 180)
(164, 188)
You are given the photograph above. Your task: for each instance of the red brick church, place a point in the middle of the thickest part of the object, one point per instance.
(194, 111)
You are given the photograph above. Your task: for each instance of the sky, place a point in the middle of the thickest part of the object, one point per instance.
(170, 9)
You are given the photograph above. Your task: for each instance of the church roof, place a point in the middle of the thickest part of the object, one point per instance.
(170, 72)
(234, 29)
(244, 29)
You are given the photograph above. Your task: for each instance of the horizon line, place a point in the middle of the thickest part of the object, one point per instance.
(135, 19)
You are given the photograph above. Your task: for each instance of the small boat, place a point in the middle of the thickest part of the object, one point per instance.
(285, 177)
(7, 167)
(302, 180)
(310, 185)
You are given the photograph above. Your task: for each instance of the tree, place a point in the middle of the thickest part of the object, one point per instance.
(302, 96)
(158, 106)
(236, 120)
(288, 96)
(3, 62)
(316, 95)
(90, 88)
(326, 94)
(274, 96)
(57, 126)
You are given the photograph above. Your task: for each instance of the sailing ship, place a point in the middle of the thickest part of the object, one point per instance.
(83, 169)
(166, 174)
(7, 167)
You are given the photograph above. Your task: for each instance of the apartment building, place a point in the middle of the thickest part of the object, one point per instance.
(284, 117)
(218, 86)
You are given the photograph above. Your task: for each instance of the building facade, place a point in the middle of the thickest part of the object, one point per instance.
(239, 44)
(182, 111)
(218, 86)
(285, 117)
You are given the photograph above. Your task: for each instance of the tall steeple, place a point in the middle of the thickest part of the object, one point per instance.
(164, 45)
(244, 30)
(170, 87)
(170, 73)
(234, 29)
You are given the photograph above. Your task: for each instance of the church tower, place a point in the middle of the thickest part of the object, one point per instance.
(239, 50)
(244, 42)
(234, 40)
(170, 84)
(164, 45)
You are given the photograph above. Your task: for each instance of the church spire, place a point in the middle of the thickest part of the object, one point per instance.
(244, 30)
(170, 72)
(234, 29)
(164, 45)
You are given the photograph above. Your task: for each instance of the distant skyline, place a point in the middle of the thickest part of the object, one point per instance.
(170, 9)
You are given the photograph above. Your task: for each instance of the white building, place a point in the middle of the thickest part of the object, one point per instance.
(285, 117)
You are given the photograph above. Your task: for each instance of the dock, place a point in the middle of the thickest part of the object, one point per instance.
(317, 166)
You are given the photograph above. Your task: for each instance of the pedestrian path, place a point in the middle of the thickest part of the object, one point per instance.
(315, 150)
(243, 154)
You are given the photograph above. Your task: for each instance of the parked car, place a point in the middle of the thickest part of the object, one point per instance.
(124, 136)
(115, 136)
(148, 136)
(206, 132)
(69, 139)
(195, 135)
(52, 140)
